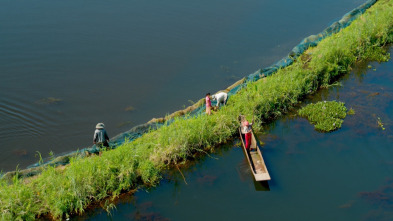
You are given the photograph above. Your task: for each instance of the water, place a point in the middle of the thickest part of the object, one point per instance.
(342, 175)
(67, 65)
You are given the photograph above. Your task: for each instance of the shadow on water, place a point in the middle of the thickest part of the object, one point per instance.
(246, 175)
(261, 185)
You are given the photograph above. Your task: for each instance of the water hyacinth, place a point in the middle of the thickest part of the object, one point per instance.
(326, 116)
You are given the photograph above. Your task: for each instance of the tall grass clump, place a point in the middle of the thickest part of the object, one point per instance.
(326, 116)
(61, 192)
(19, 201)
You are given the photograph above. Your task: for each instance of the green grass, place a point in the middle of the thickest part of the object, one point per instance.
(326, 116)
(63, 192)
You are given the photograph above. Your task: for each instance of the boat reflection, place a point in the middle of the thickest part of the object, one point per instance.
(245, 175)
(261, 185)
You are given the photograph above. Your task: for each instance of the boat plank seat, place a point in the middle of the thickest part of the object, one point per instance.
(259, 168)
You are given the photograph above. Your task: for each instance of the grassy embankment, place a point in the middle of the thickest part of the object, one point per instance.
(86, 180)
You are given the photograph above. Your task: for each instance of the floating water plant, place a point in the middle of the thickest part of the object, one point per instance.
(380, 124)
(326, 116)
(351, 111)
(335, 84)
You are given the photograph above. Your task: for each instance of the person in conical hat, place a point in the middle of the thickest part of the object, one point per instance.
(101, 138)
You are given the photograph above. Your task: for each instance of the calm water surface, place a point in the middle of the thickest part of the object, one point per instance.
(343, 175)
(66, 65)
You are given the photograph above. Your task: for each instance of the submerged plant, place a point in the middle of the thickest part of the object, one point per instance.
(326, 116)
(49, 100)
(129, 109)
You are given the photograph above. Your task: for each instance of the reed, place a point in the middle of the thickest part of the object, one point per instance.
(62, 192)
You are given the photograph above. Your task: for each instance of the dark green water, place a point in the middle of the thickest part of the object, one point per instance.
(343, 175)
(100, 57)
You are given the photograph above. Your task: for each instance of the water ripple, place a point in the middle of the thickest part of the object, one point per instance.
(20, 119)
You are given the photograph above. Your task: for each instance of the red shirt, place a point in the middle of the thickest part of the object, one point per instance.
(208, 102)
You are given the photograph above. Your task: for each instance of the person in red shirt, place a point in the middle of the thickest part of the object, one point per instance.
(208, 104)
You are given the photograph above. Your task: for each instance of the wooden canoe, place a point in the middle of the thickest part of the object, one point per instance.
(254, 157)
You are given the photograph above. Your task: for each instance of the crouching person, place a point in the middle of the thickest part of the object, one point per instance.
(101, 139)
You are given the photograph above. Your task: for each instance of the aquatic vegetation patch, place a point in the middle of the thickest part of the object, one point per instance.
(325, 115)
